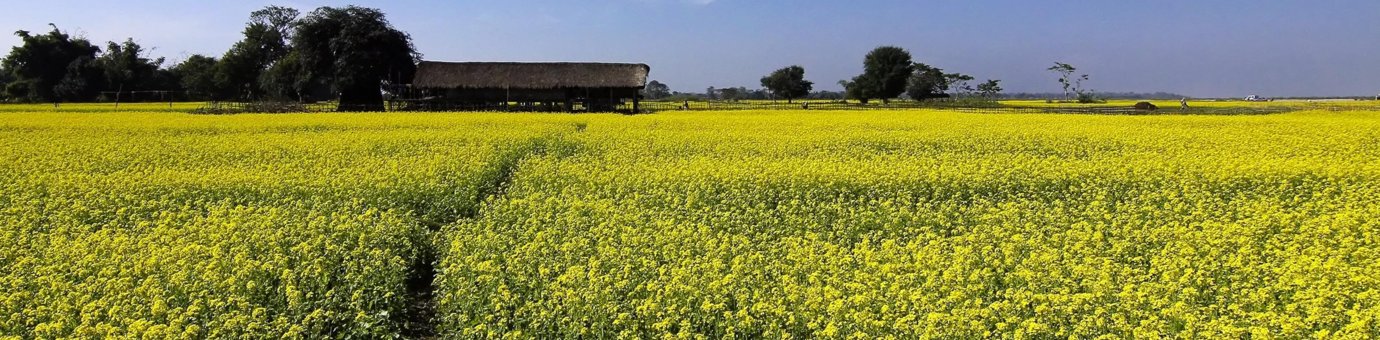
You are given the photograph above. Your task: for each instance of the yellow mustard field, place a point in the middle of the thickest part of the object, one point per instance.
(748, 224)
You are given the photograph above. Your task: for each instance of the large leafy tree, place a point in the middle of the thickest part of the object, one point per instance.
(355, 50)
(732, 94)
(279, 64)
(240, 73)
(52, 67)
(886, 71)
(237, 72)
(788, 82)
(656, 90)
(284, 79)
(990, 89)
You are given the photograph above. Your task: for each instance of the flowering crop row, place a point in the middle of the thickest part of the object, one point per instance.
(931, 224)
(774, 224)
(176, 226)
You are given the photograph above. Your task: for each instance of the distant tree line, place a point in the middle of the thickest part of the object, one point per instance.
(889, 72)
(57, 67)
(658, 91)
(346, 54)
(351, 53)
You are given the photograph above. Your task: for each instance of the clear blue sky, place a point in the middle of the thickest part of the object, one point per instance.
(1200, 48)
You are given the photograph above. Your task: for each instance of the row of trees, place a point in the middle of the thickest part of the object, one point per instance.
(345, 54)
(350, 53)
(55, 66)
(888, 72)
(657, 90)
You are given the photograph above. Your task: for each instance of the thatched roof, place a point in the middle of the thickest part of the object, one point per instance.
(433, 74)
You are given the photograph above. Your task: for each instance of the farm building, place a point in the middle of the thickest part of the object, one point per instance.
(506, 86)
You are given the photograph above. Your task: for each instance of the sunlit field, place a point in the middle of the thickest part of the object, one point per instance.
(748, 224)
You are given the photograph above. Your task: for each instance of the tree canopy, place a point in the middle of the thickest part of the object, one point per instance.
(347, 53)
(886, 71)
(927, 82)
(788, 82)
(196, 75)
(656, 90)
(241, 71)
(958, 83)
(354, 55)
(355, 51)
(127, 68)
(990, 89)
(52, 67)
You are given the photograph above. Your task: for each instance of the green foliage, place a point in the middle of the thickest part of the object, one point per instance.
(349, 52)
(1089, 98)
(283, 80)
(886, 70)
(197, 76)
(126, 68)
(52, 67)
(958, 83)
(788, 82)
(240, 73)
(83, 81)
(17, 91)
(6, 77)
(730, 94)
(656, 90)
(990, 89)
(927, 82)
(854, 90)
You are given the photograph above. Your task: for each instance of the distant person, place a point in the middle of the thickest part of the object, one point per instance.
(1183, 104)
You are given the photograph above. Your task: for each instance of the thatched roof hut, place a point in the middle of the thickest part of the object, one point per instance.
(485, 75)
(528, 86)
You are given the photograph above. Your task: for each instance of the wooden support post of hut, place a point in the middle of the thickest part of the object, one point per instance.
(549, 86)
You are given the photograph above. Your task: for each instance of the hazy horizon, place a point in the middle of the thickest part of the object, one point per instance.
(1218, 49)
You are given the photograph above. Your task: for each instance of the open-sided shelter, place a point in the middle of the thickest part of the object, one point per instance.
(515, 86)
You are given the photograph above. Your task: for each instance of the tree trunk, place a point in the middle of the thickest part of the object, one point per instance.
(363, 98)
